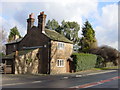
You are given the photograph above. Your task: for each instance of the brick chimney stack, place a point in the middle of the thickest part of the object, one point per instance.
(30, 22)
(41, 22)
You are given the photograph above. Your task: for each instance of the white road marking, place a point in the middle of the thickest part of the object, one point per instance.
(36, 82)
(20, 83)
(78, 76)
(65, 77)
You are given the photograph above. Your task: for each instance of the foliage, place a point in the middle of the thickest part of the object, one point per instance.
(53, 24)
(68, 29)
(99, 62)
(2, 54)
(108, 53)
(88, 40)
(84, 61)
(14, 33)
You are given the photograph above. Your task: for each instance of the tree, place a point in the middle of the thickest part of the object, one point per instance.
(68, 29)
(3, 39)
(53, 24)
(108, 53)
(88, 41)
(14, 34)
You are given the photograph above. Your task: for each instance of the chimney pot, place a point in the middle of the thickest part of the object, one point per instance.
(41, 13)
(30, 22)
(41, 21)
(31, 15)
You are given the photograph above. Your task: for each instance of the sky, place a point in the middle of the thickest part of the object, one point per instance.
(102, 14)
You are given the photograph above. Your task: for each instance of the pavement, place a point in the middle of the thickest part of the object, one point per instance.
(53, 77)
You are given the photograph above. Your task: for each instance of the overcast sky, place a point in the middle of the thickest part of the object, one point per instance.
(102, 14)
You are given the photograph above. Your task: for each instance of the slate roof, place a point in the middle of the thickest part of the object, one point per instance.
(15, 41)
(52, 34)
(22, 52)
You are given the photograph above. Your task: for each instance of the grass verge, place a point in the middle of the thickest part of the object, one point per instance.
(106, 68)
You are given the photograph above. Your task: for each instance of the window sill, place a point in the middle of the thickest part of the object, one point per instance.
(60, 66)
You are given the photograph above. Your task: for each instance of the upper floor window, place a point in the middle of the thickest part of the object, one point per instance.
(60, 45)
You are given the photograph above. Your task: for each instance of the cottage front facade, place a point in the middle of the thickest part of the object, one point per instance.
(40, 51)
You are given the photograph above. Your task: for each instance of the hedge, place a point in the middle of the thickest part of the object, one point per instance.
(99, 62)
(84, 61)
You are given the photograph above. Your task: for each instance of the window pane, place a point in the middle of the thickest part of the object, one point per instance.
(57, 62)
(60, 45)
(62, 63)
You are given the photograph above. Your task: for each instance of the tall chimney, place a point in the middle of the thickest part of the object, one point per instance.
(41, 22)
(30, 22)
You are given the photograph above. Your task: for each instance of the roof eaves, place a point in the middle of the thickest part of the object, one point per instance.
(15, 41)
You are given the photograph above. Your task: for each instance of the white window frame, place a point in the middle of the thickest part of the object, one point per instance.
(60, 45)
(60, 63)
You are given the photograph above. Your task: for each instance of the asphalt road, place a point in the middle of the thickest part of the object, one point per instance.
(106, 80)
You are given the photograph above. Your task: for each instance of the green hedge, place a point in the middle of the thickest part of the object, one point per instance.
(84, 61)
(99, 62)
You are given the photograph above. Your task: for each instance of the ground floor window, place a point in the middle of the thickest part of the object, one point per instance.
(60, 63)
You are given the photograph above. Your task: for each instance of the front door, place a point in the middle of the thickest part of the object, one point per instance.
(68, 66)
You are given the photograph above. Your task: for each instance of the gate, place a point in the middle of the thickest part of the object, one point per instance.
(7, 66)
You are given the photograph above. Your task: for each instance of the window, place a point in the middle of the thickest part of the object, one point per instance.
(14, 46)
(60, 63)
(60, 45)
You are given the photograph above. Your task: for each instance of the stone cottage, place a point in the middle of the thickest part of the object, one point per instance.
(40, 51)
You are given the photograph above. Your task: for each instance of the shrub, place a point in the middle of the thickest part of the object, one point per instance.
(84, 61)
(99, 62)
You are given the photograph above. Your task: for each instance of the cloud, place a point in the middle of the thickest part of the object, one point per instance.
(108, 0)
(107, 29)
(109, 17)
(66, 1)
(104, 22)
(17, 13)
(8, 24)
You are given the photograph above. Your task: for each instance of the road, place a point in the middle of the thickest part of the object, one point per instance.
(105, 80)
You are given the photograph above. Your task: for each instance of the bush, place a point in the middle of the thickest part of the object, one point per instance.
(99, 62)
(84, 61)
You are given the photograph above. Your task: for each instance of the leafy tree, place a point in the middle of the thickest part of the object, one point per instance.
(88, 40)
(14, 34)
(68, 29)
(108, 53)
(53, 24)
(2, 54)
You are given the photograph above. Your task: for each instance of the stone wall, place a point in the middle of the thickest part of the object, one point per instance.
(59, 54)
(27, 63)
